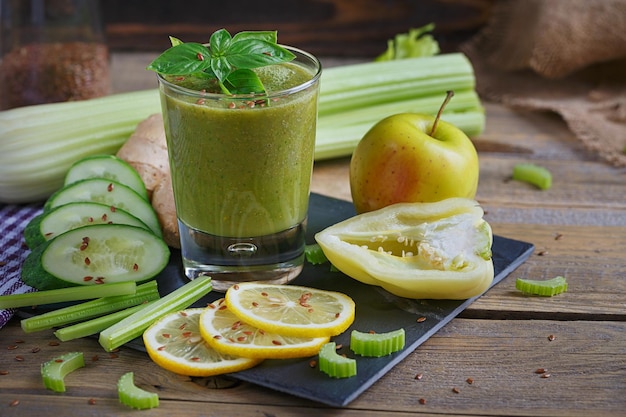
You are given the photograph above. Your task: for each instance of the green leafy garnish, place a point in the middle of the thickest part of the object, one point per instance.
(413, 44)
(229, 59)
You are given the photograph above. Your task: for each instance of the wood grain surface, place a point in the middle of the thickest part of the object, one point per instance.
(578, 228)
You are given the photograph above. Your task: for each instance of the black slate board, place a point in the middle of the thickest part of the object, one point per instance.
(376, 310)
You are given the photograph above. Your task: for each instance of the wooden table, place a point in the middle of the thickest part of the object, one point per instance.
(579, 230)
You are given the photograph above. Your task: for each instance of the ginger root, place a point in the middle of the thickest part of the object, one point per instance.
(146, 151)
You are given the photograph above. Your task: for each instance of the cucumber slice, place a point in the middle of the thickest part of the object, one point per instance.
(377, 344)
(106, 166)
(335, 365)
(54, 371)
(111, 193)
(96, 254)
(133, 396)
(69, 216)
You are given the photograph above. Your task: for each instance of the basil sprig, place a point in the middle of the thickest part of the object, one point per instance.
(229, 59)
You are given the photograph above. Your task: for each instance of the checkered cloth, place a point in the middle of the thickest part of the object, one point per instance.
(13, 220)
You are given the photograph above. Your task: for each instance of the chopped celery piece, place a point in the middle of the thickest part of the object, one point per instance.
(335, 365)
(66, 294)
(54, 371)
(135, 324)
(314, 254)
(94, 308)
(133, 396)
(377, 344)
(533, 174)
(546, 288)
(93, 326)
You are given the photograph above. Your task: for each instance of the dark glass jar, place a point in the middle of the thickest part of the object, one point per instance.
(51, 51)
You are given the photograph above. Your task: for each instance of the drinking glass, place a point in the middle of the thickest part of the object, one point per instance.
(241, 169)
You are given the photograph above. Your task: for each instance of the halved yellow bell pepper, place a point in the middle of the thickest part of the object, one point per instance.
(436, 250)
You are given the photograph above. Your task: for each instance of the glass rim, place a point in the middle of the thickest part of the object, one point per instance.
(279, 93)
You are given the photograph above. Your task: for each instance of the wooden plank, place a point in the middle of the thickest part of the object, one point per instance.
(590, 258)
(363, 26)
(500, 355)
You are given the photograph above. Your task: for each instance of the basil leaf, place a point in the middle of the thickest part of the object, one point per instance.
(254, 53)
(175, 41)
(182, 59)
(268, 36)
(221, 68)
(219, 42)
(244, 81)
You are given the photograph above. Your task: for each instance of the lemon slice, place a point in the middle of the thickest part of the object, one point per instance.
(291, 310)
(174, 343)
(226, 333)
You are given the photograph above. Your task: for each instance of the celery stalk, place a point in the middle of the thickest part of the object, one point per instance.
(134, 325)
(67, 294)
(39, 143)
(94, 308)
(332, 142)
(93, 326)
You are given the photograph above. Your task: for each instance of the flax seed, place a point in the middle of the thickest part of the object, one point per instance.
(541, 370)
(470, 381)
(456, 390)
(92, 401)
(419, 376)
(422, 401)
(19, 358)
(14, 403)
(421, 319)
(546, 375)
(551, 337)
(4, 372)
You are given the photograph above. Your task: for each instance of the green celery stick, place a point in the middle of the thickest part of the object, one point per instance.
(93, 326)
(134, 325)
(84, 292)
(94, 308)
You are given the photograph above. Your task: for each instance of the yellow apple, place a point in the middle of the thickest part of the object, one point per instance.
(400, 159)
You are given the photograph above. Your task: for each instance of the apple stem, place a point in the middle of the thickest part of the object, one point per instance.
(449, 95)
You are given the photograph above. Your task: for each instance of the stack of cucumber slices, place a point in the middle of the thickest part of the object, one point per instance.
(98, 228)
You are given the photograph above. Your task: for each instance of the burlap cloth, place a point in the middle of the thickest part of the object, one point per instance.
(566, 56)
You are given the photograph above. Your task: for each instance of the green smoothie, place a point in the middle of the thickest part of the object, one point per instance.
(240, 167)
